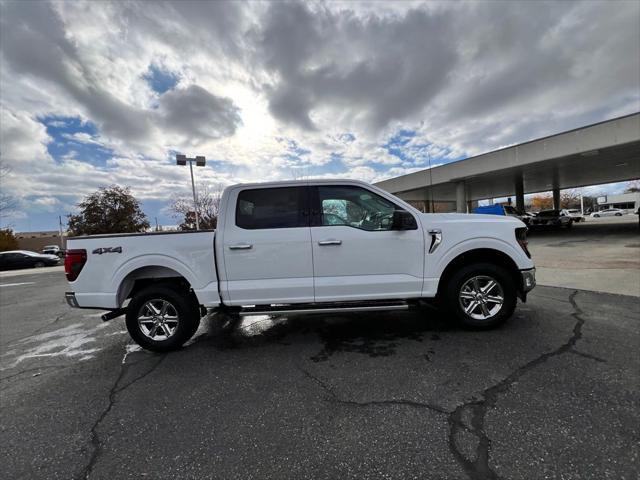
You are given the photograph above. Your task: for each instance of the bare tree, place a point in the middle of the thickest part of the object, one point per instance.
(7, 202)
(299, 173)
(570, 198)
(208, 204)
(632, 186)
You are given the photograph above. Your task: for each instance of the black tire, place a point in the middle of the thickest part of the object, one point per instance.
(38, 265)
(597, 216)
(618, 214)
(452, 302)
(183, 302)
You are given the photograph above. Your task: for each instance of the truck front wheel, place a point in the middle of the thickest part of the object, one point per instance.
(160, 318)
(481, 295)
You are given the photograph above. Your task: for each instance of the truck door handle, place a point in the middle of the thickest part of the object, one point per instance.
(329, 242)
(240, 246)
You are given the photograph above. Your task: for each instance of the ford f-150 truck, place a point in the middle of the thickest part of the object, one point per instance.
(303, 247)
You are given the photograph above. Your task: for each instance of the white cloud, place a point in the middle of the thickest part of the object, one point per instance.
(467, 77)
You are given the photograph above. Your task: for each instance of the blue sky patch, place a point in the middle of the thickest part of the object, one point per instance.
(347, 137)
(73, 138)
(294, 151)
(416, 153)
(395, 145)
(160, 80)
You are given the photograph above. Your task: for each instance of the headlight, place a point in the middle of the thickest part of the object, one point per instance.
(521, 237)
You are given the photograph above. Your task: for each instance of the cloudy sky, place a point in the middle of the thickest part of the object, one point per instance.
(100, 93)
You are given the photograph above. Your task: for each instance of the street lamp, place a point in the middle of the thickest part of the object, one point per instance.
(200, 161)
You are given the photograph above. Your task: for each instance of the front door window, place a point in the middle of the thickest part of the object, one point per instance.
(354, 207)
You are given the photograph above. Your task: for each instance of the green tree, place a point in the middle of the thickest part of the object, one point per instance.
(109, 210)
(8, 240)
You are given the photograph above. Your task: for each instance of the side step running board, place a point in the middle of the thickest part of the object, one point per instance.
(322, 309)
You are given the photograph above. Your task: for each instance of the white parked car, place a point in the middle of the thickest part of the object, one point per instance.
(573, 213)
(609, 212)
(52, 250)
(303, 247)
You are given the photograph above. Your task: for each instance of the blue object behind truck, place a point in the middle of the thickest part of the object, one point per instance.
(490, 210)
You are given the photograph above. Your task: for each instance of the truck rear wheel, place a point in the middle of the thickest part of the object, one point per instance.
(160, 318)
(481, 295)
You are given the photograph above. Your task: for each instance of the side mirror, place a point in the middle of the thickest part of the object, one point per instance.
(403, 220)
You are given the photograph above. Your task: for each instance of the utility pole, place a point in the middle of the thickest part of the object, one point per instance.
(200, 162)
(60, 231)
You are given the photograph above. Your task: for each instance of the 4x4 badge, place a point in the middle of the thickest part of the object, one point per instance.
(100, 251)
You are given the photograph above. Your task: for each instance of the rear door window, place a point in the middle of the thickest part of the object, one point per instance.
(264, 208)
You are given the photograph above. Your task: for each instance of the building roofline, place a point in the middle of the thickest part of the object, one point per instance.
(512, 146)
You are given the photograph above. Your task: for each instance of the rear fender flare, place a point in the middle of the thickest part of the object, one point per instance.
(153, 260)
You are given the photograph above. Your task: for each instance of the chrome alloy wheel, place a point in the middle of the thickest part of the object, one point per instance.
(158, 319)
(481, 297)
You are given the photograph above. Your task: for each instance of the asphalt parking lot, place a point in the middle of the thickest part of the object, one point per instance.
(552, 394)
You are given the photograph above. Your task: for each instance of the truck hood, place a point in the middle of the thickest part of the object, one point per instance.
(431, 218)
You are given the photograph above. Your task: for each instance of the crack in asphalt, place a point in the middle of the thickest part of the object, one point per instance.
(588, 355)
(96, 443)
(478, 468)
(334, 398)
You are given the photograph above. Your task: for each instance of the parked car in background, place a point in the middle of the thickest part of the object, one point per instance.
(550, 218)
(52, 250)
(25, 259)
(609, 212)
(574, 213)
(527, 217)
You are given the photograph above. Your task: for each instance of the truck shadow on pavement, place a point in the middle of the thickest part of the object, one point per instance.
(372, 334)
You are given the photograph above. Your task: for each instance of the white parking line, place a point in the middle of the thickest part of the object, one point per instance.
(16, 284)
(33, 271)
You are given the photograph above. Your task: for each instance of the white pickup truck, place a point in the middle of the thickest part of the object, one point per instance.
(303, 247)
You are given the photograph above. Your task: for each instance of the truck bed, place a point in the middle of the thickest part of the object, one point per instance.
(114, 262)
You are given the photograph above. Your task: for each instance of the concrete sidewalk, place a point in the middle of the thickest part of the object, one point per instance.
(602, 254)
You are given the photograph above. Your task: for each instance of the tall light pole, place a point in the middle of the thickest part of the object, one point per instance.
(200, 162)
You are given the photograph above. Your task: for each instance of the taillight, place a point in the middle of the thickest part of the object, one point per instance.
(521, 237)
(73, 263)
